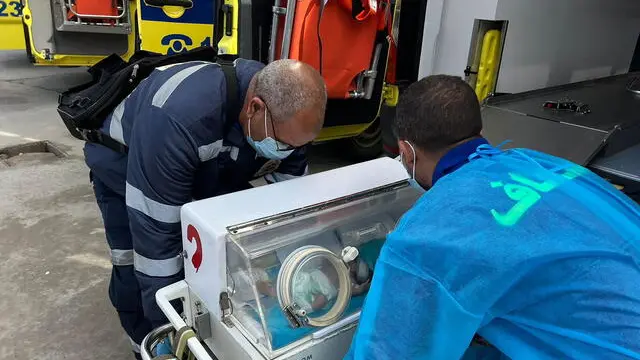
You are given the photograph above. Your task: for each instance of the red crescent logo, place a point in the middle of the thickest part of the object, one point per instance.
(192, 234)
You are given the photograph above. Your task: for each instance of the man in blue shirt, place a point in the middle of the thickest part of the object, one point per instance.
(535, 254)
(182, 147)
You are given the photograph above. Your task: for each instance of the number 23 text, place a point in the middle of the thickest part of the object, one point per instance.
(10, 8)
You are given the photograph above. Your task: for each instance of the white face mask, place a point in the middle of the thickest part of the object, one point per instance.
(414, 183)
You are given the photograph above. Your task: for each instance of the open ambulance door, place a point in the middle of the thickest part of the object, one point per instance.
(348, 42)
(82, 32)
(78, 32)
(357, 46)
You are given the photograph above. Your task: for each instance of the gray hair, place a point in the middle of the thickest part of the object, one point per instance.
(287, 92)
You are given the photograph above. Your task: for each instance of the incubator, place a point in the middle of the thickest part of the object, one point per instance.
(281, 271)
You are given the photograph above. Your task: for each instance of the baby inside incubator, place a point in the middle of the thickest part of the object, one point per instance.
(315, 287)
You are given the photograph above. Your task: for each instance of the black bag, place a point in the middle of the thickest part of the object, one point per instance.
(84, 108)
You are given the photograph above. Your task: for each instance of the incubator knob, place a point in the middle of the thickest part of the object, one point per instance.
(349, 254)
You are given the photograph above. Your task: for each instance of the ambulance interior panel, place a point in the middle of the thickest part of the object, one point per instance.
(289, 280)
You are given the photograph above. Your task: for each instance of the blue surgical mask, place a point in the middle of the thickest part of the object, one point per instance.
(413, 182)
(267, 148)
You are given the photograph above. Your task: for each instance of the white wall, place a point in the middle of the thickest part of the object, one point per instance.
(554, 42)
(447, 34)
(549, 42)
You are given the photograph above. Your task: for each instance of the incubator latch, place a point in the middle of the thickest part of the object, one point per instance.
(201, 322)
(227, 308)
(297, 317)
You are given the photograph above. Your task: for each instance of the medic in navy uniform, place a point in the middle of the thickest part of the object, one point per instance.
(181, 148)
(535, 254)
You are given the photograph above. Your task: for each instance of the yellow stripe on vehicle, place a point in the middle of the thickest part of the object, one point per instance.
(341, 132)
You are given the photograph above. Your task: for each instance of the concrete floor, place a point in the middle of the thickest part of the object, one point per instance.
(55, 267)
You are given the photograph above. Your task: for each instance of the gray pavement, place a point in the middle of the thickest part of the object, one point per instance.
(54, 266)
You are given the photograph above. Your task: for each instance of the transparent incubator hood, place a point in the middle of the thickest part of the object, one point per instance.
(293, 275)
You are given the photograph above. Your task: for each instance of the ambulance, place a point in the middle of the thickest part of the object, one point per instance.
(351, 42)
(368, 51)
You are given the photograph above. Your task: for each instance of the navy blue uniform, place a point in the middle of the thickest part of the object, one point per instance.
(173, 124)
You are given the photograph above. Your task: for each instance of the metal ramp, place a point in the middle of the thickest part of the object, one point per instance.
(606, 140)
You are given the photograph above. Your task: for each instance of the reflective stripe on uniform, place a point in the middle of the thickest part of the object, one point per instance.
(135, 346)
(115, 128)
(170, 85)
(232, 150)
(157, 268)
(121, 257)
(234, 153)
(135, 199)
(209, 151)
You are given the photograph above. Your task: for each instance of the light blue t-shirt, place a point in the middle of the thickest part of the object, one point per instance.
(537, 255)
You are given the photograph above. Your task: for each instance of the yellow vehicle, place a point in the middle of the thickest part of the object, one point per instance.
(82, 32)
(358, 72)
(11, 26)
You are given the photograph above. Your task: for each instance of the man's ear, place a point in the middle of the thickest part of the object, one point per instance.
(254, 105)
(406, 152)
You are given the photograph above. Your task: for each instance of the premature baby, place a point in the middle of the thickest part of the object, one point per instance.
(312, 290)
